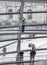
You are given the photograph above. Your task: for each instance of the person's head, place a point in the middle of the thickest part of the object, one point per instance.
(23, 18)
(33, 45)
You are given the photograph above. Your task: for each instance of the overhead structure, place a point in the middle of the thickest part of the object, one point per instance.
(44, 1)
(13, 32)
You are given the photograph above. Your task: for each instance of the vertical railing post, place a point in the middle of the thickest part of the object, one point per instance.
(21, 58)
(19, 35)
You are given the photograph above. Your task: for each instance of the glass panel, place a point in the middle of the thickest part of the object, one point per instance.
(35, 6)
(32, 18)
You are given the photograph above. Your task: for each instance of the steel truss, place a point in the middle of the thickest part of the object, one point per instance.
(20, 33)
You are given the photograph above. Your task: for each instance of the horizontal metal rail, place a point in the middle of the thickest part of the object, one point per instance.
(30, 25)
(13, 52)
(33, 12)
(8, 27)
(25, 30)
(34, 1)
(38, 37)
(18, 62)
(16, 33)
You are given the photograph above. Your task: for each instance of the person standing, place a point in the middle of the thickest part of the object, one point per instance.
(23, 24)
(32, 54)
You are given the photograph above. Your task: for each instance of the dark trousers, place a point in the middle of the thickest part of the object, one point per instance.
(23, 26)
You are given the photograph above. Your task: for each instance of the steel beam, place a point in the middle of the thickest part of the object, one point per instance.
(8, 44)
(16, 33)
(13, 52)
(19, 35)
(15, 62)
(25, 30)
(8, 27)
(35, 1)
(30, 25)
(38, 37)
(33, 12)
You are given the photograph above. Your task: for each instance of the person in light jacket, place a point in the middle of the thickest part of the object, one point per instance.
(23, 24)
